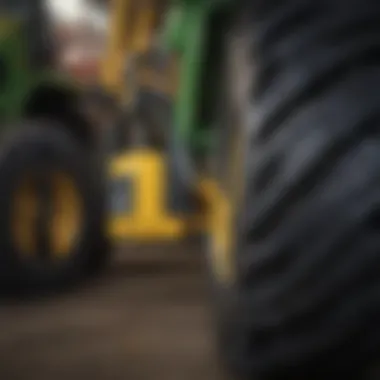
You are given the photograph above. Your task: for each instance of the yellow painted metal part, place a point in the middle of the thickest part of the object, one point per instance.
(224, 205)
(117, 43)
(150, 218)
(143, 32)
(66, 216)
(131, 32)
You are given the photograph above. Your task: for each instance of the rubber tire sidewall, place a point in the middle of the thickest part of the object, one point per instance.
(28, 149)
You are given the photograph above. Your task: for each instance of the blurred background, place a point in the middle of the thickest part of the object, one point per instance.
(81, 30)
(146, 317)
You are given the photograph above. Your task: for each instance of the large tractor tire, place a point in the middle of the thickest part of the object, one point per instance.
(51, 210)
(300, 298)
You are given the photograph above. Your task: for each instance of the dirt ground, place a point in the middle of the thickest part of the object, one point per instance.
(145, 319)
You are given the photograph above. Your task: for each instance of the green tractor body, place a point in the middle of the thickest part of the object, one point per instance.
(48, 161)
(31, 85)
(192, 31)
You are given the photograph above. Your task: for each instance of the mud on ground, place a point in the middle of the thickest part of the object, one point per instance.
(145, 319)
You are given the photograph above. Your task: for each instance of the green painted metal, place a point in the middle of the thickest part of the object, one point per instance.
(18, 79)
(194, 29)
(185, 33)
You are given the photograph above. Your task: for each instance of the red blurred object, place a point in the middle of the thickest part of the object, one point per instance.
(81, 50)
(82, 64)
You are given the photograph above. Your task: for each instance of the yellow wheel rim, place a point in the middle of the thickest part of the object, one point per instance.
(65, 216)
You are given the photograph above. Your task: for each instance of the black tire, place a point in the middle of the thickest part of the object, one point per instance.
(43, 146)
(102, 245)
(306, 300)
